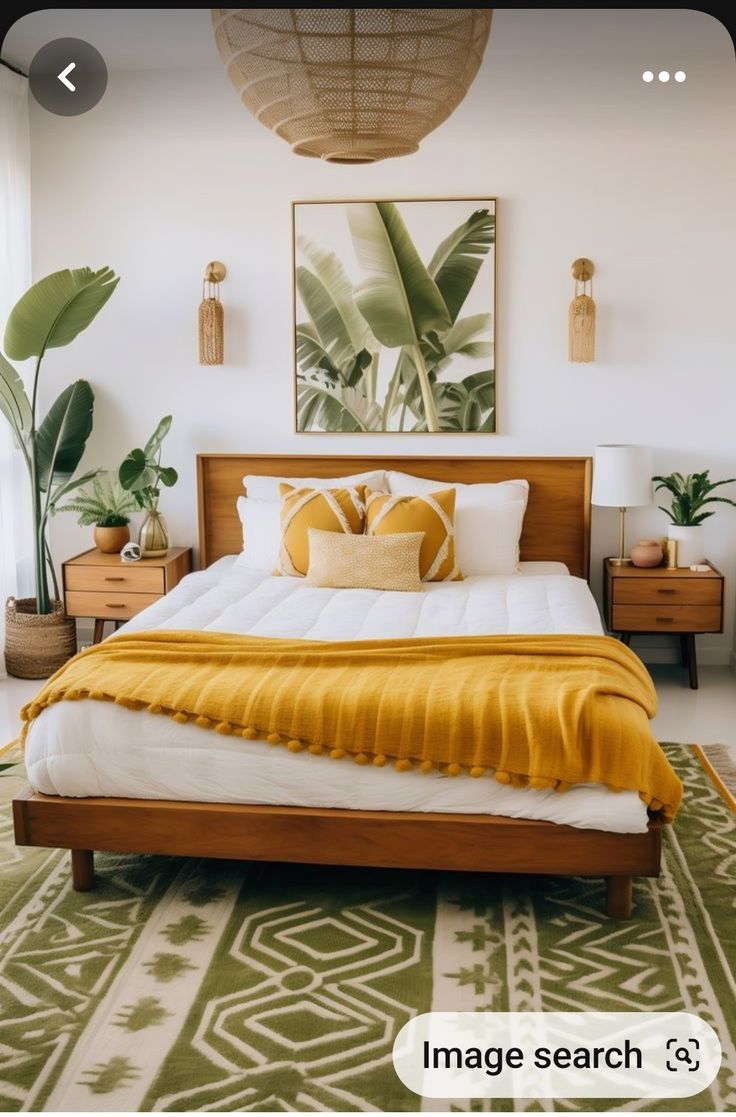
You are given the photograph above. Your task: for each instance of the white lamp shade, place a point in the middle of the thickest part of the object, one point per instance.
(622, 476)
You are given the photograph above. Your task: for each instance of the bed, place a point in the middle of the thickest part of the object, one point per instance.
(91, 794)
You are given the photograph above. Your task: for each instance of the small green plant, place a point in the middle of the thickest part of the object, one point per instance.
(141, 473)
(689, 495)
(103, 502)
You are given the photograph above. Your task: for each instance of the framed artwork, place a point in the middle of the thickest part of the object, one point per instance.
(394, 315)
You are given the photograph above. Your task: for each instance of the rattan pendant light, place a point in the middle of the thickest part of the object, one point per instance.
(352, 85)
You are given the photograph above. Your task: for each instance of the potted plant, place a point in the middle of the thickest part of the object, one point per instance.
(104, 503)
(39, 637)
(689, 496)
(141, 474)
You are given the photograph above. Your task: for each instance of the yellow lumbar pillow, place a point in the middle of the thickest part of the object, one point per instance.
(335, 510)
(433, 514)
(389, 562)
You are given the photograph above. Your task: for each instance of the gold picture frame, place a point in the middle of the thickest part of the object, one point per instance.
(349, 260)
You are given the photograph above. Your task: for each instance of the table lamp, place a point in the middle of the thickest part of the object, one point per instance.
(622, 478)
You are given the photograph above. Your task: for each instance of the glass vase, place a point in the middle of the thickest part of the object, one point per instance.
(154, 535)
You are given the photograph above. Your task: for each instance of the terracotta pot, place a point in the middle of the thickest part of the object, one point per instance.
(647, 552)
(111, 540)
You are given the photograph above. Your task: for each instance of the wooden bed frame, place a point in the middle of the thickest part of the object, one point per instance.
(556, 527)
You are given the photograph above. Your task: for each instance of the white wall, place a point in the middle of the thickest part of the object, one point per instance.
(170, 171)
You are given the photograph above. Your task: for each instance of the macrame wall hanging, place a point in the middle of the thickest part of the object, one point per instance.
(211, 317)
(581, 317)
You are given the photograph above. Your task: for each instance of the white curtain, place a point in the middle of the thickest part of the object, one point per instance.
(16, 563)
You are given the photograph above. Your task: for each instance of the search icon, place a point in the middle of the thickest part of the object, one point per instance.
(683, 1055)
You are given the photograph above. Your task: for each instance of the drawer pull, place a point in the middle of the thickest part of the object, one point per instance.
(667, 591)
(122, 579)
(114, 605)
(665, 620)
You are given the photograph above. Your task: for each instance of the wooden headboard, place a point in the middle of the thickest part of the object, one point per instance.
(556, 526)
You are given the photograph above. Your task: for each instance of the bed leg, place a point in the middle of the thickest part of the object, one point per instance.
(618, 897)
(83, 870)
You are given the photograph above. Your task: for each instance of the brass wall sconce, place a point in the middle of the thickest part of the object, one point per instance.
(211, 316)
(581, 316)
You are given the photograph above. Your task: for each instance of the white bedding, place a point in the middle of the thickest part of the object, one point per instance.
(94, 748)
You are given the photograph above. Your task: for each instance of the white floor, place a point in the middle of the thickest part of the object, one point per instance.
(706, 716)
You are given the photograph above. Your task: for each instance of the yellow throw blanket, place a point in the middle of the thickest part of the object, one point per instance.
(536, 711)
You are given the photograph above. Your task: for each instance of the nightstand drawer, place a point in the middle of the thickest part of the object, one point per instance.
(678, 591)
(112, 605)
(666, 618)
(113, 579)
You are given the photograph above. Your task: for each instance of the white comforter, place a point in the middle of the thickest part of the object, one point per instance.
(95, 748)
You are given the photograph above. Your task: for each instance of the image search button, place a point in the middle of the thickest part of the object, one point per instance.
(68, 77)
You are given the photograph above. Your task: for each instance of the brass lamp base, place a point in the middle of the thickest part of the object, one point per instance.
(620, 561)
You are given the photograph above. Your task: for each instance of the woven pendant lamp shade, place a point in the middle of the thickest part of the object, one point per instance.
(352, 85)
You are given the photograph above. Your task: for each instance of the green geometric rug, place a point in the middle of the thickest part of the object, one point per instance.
(183, 984)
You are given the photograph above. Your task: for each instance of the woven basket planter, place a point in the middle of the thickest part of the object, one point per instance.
(37, 646)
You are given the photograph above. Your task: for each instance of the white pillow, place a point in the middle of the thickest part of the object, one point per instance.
(261, 520)
(259, 487)
(487, 537)
(491, 492)
(489, 517)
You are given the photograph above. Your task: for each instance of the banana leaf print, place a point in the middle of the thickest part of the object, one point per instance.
(389, 349)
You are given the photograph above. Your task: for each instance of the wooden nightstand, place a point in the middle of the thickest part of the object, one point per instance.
(656, 599)
(103, 587)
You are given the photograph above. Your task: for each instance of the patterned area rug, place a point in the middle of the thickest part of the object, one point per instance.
(722, 760)
(193, 985)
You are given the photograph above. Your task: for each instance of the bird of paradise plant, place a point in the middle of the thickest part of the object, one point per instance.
(51, 314)
(405, 306)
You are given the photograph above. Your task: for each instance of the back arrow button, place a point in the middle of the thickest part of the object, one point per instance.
(64, 87)
(65, 80)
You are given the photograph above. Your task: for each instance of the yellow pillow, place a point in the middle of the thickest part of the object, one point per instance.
(434, 514)
(341, 510)
(389, 562)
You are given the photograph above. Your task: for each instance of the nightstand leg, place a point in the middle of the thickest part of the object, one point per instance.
(683, 649)
(692, 660)
(99, 630)
(626, 639)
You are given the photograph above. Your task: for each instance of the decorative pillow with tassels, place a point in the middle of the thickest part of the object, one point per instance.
(341, 510)
(433, 514)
